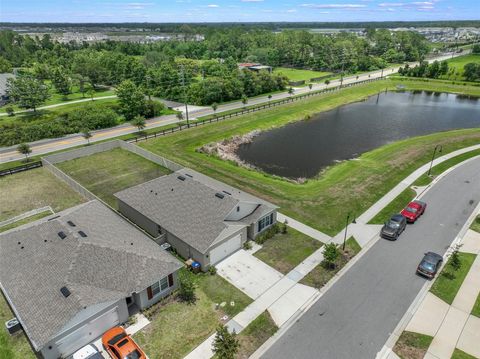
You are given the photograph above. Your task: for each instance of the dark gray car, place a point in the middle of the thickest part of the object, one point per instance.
(393, 227)
(429, 265)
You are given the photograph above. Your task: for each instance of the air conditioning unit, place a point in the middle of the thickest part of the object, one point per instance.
(13, 325)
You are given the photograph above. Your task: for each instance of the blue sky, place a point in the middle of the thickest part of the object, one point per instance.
(235, 10)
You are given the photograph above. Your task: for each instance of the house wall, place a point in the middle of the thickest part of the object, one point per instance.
(186, 251)
(141, 299)
(139, 219)
(50, 350)
(254, 231)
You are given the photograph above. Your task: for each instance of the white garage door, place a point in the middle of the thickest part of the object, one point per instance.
(87, 333)
(225, 249)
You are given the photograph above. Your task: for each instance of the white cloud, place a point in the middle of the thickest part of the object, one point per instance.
(291, 10)
(251, 0)
(334, 6)
(213, 5)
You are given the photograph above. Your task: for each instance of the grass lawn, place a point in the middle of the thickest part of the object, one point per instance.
(299, 74)
(476, 224)
(320, 275)
(108, 172)
(476, 307)
(412, 345)
(34, 189)
(458, 63)
(177, 327)
(350, 186)
(448, 282)
(458, 354)
(285, 251)
(393, 207)
(24, 221)
(255, 334)
(16, 346)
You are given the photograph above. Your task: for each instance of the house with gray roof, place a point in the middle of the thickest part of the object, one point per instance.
(201, 218)
(72, 276)
(3, 87)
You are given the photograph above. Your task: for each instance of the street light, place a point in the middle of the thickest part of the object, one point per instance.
(439, 147)
(346, 229)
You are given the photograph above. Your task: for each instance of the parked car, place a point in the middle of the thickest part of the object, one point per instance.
(89, 351)
(429, 265)
(414, 210)
(120, 345)
(393, 227)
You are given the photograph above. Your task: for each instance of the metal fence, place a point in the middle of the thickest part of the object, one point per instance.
(25, 167)
(247, 111)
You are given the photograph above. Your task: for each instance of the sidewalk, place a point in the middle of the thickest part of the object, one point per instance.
(452, 326)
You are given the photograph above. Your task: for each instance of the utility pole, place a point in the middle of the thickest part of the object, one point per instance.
(343, 65)
(185, 96)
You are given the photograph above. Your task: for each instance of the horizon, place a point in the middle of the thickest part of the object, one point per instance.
(236, 11)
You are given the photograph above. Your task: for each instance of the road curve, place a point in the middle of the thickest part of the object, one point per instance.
(356, 316)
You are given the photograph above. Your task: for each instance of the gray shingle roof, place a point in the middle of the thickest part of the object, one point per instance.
(112, 262)
(3, 82)
(188, 209)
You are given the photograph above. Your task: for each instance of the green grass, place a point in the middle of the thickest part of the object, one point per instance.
(299, 74)
(393, 207)
(457, 63)
(448, 282)
(12, 346)
(108, 172)
(320, 275)
(177, 328)
(412, 345)
(255, 334)
(24, 221)
(424, 180)
(476, 307)
(476, 224)
(458, 354)
(34, 189)
(351, 186)
(285, 251)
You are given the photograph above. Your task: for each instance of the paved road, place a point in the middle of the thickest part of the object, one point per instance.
(354, 319)
(8, 154)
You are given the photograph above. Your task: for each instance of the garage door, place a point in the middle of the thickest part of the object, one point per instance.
(87, 333)
(225, 249)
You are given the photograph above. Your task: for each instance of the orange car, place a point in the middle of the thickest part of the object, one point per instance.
(120, 345)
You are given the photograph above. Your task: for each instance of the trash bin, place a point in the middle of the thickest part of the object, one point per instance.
(196, 267)
(13, 325)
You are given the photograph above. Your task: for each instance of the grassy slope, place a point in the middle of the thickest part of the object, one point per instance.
(285, 251)
(394, 207)
(255, 334)
(351, 186)
(34, 189)
(299, 74)
(108, 172)
(448, 282)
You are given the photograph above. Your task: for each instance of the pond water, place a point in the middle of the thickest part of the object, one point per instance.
(303, 148)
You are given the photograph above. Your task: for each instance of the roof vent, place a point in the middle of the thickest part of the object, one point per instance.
(62, 235)
(189, 175)
(71, 224)
(181, 178)
(82, 234)
(219, 195)
(227, 193)
(65, 292)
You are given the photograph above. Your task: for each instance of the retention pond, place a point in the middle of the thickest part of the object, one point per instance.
(302, 149)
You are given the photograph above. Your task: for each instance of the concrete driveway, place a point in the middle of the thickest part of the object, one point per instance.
(248, 273)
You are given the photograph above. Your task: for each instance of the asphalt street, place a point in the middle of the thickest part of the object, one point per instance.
(354, 319)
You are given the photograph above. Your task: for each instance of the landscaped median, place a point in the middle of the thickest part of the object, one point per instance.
(412, 345)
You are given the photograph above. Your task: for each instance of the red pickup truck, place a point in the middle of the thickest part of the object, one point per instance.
(414, 210)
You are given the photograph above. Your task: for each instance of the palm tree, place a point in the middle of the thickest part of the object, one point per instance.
(214, 108)
(86, 134)
(24, 149)
(291, 91)
(310, 86)
(139, 122)
(179, 116)
(244, 100)
(269, 98)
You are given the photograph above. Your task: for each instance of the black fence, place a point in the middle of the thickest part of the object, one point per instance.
(25, 167)
(247, 110)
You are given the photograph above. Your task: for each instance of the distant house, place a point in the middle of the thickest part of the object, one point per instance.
(70, 277)
(201, 218)
(254, 67)
(3, 87)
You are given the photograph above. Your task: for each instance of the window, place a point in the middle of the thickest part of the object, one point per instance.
(164, 284)
(159, 287)
(265, 222)
(155, 288)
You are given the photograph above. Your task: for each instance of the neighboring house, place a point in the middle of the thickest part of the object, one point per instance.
(70, 277)
(3, 87)
(254, 67)
(201, 218)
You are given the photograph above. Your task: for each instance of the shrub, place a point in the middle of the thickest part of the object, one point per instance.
(283, 227)
(153, 108)
(247, 245)
(187, 288)
(225, 344)
(10, 111)
(330, 255)
(212, 270)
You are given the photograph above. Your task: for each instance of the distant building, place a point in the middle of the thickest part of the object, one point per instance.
(254, 67)
(3, 87)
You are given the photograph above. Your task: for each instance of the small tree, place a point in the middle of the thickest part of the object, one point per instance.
(455, 261)
(269, 98)
(179, 116)
(91, 93)
(244, 100)
(225, 344)
(86, 134)
(291, 91)
(214, 108)
(330, 255)
(24, 149)
(327, 82)
(310, 86)
(187, 288)
(139, 122)
(10, 111)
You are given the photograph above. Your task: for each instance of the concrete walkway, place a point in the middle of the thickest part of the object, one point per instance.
(303, 228)
(452, 326)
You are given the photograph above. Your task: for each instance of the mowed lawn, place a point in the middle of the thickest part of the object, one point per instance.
(33, 189)
(351, 186)
(458, 63)
(177, 327)
(108, 172)
(299, 74)
(285, 251)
